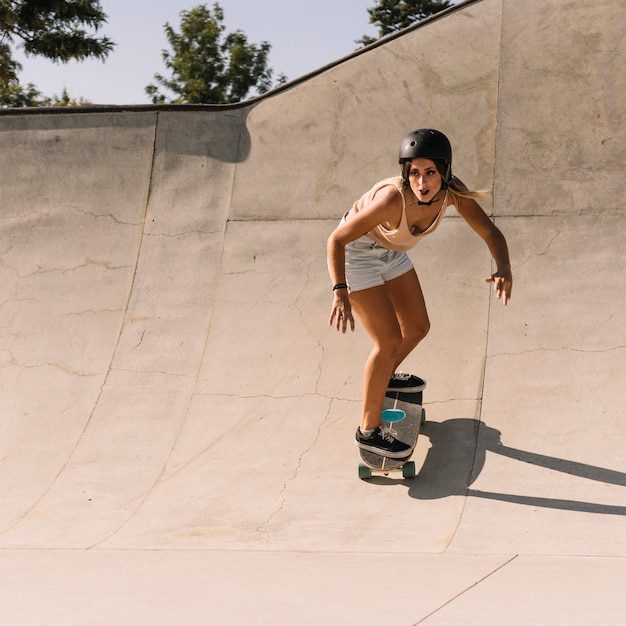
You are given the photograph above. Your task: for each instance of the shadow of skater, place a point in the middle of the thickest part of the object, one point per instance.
(457, 456)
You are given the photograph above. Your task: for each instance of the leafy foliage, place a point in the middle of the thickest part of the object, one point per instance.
(56, 29)
(13, 94)
(208, 66)
(390, 16)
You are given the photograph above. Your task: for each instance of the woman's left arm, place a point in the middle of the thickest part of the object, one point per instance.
(476, 217)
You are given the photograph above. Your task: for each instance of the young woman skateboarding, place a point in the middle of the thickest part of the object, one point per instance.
(373, 276)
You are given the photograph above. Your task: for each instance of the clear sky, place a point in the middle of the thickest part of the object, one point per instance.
(304, 36)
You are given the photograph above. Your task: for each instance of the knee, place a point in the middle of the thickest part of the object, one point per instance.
(418, 332)
(390, 348)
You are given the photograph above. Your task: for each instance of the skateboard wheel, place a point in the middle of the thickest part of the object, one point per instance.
(364, 471)
(423, 416)
(408, 470)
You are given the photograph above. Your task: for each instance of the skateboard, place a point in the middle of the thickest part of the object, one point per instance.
(403, 415)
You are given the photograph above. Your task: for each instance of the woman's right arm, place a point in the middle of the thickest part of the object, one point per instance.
(385, 208)
(341, 312)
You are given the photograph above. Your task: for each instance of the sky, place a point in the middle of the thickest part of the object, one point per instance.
(304, 36)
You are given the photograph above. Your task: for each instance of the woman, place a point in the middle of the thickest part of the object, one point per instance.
(373, 276)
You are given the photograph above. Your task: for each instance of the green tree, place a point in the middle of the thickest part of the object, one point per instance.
(65, 100)
(390, 16)
(208, 66)
(55, 29)
(13, 94)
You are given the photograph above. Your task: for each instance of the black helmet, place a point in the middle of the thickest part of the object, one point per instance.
(427, 143)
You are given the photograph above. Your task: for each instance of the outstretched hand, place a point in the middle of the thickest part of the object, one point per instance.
(341, 314)
(502, 285)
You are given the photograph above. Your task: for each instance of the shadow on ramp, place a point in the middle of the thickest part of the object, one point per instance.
(457, 457)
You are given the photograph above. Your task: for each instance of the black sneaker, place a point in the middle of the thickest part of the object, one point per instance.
(382, 442)
(406, 383)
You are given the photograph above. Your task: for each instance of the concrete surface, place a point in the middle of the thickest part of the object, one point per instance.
(176, 435)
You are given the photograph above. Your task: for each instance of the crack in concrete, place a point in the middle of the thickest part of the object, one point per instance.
(182, 234)
(87, 263)
(108, 216)
(262, 529)
(467, 589)
(60, 365)
(538, 254)
(562, 349)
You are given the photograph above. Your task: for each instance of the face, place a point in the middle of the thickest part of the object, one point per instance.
(425, 179)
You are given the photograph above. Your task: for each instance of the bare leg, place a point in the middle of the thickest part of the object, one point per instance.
(375, 311)
(406, 295)
(394, 316)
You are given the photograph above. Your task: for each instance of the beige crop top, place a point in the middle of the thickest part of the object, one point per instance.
(401, 238)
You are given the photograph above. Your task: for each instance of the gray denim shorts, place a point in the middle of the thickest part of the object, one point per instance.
(368, 264)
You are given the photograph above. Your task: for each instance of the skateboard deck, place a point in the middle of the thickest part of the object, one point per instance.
(406, 430)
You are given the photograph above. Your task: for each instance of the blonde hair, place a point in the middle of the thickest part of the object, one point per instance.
(459, 189)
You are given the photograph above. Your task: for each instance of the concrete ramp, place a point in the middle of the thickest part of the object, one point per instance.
(176, 435)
